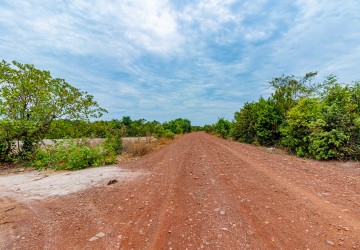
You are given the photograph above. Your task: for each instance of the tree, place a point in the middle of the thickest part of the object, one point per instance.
(222, 127)
(335, 133)
(30, 100)
(267, 125)
(244, 121)
(298, 126)
(178, 126)
(290, 89)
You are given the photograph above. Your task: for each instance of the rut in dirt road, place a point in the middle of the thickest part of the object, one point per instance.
(202, 192)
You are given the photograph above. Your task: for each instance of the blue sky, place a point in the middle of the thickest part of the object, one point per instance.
(164, 59)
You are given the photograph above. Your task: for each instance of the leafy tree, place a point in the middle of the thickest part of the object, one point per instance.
(30, 100)
(298, 126)
(243, 127)
(288, 90)
(312, 120)
(335, 131)
(222, 127)
(126, 120)
(208, 128)
(267, 125)
(178, 126)
(258, 122)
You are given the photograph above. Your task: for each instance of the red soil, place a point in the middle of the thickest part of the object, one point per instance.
(201, 192)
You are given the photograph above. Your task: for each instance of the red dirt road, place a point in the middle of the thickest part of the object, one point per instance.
(200, 192)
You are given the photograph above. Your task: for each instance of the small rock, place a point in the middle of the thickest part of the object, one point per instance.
(112, 182)
(249, 232)
(330, 242)
(101, 234)
(93, 238)
(222, 212)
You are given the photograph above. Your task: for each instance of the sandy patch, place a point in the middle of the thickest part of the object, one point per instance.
(41, 185)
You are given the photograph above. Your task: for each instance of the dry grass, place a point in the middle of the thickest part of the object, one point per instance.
(138, 147)
(135, 148)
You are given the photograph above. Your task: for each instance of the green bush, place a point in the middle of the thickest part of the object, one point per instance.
(296, 130)
(319, 121)
(268, 122)
(168, 134)
(244, 121)
(74, 155)
(222, 127)
(327, 144)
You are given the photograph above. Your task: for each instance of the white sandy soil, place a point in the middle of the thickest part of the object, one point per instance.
(42, 185)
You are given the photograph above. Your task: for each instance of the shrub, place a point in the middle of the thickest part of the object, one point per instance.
(168, 134)
(222, 128)
(243, 126)
(74, 155)
(296, 130)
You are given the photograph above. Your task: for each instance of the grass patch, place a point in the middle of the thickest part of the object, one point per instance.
(75, 155)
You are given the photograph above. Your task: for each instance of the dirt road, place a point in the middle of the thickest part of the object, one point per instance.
(199, 192)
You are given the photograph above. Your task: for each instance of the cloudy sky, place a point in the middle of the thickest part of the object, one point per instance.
(198, 59)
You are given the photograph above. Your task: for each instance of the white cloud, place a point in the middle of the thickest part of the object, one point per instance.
(126, 28)
(323, 34)
(168, 58)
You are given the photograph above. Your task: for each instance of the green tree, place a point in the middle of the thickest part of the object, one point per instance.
(178, 126)
(222, 127)
(243, 127)
(298, 126)
(335, 132)
(288, 90)
(30, 100)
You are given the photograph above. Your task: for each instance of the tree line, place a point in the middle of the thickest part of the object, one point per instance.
(125, 127)
(315, 120)
(35, 106)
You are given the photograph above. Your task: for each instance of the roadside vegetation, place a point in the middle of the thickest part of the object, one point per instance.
(314, 120)
(34, 106)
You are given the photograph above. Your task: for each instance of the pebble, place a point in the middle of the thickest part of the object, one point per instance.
(101, 234)
(249, 232)
(330, 242)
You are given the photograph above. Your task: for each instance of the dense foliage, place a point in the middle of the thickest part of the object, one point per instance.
(321, 121)
(30, 100)
(126, 127)
(35, 106)
(222, 128)
(75, 155)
